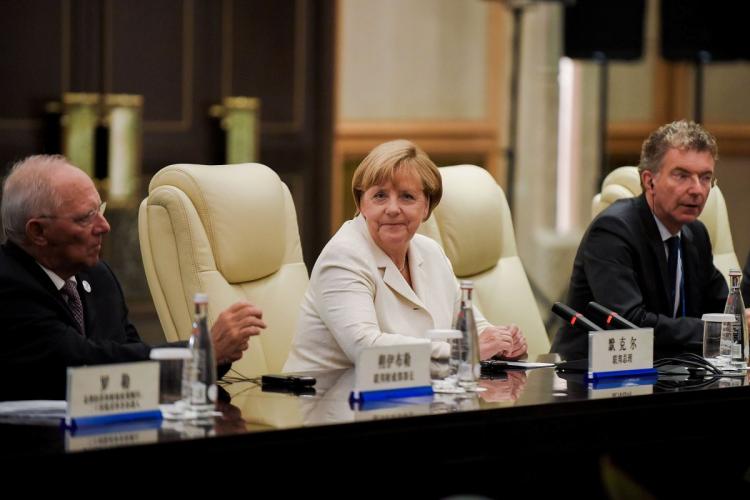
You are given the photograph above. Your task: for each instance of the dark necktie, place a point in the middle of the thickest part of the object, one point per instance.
(673, 244)
(74, 302)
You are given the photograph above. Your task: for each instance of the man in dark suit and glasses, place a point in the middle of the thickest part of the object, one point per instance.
(60, 305)
(649, 258)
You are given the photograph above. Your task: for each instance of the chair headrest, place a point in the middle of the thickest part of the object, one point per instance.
(242, 210)
(622, 182)
(471, 218)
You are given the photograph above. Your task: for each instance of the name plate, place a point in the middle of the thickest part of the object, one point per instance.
(622, 387)
(104, 394)
(392, 372)
(381, 410)
(621, 353)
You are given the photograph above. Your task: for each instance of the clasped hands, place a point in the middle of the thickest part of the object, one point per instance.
(506, 342)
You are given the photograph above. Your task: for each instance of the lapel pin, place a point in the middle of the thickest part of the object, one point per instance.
(86, 286)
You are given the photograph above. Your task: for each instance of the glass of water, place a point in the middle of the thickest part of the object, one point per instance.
(717, 337)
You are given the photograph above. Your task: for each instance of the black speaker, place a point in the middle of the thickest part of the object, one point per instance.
(611, 28)
(705, 30)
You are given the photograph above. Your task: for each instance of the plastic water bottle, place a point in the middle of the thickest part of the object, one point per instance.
(469, 367)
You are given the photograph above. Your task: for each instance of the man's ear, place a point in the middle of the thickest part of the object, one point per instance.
(647, 181)
(35, 232)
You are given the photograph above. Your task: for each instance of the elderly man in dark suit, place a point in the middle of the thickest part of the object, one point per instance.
(60, 305)
(649, 258)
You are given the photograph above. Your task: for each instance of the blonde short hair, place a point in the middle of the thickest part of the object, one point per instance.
(380, 165)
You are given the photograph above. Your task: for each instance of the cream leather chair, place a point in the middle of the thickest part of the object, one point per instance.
(624, 182)
(473, 225)
(230, 231)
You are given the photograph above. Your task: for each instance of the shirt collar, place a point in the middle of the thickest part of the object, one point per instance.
(663, 231)
(56, 280)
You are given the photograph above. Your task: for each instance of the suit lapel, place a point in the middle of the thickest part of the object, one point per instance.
(690, 263)
(395, 281)
(41, 278)
(656, 247)
(391, 275)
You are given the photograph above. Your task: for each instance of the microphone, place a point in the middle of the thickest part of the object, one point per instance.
(574, 318)
(611, 318)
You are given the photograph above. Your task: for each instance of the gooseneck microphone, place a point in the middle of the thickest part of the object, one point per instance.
(574, 318)
(610, 319)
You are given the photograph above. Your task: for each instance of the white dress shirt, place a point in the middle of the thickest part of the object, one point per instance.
(57, 280)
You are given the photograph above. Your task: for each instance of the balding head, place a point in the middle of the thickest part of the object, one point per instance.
(52, 210)
(29, 190)
(34, 186)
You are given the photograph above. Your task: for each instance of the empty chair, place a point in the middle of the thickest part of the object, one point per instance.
(229, 231)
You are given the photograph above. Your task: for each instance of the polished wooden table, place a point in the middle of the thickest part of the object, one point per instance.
(528, 432)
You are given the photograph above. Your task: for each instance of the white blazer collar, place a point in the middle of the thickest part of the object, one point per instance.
(391, 275)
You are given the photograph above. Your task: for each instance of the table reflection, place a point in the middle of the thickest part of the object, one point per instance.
(507, 387)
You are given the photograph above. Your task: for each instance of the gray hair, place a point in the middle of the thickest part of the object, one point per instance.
(28, 192)
(683, 135)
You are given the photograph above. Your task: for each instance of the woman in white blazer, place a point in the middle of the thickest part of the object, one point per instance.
(377, 282)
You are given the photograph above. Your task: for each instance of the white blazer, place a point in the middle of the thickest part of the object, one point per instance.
(357, 298)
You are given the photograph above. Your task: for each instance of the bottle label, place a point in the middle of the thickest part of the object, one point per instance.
(198, 393)
(737, 351)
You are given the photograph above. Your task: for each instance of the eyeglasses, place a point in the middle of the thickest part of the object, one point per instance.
(82, 220)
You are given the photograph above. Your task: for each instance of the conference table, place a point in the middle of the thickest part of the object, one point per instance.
(528, 432)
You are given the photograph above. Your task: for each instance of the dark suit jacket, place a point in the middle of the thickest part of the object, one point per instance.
(621, 264)
(38, 332)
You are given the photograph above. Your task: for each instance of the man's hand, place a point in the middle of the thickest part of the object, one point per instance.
(747, 317)
(505, 341)
(233, 329)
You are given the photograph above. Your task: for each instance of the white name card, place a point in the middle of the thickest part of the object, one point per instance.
(621, 353)
(113, 393)
(392, 371)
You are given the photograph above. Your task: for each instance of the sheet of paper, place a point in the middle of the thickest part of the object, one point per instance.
(33, 411)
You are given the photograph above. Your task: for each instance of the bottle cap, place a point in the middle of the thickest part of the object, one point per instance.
(718, 317)
(161, 353)
(200, 298)
(438, 334)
